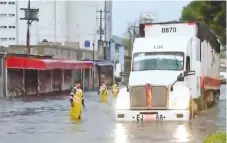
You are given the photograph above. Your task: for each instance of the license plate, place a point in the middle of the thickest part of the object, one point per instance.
(149, 117)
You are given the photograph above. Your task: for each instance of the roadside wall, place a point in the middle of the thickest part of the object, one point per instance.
(57, 50)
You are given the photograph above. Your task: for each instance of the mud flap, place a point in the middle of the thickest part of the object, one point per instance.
(217, 94)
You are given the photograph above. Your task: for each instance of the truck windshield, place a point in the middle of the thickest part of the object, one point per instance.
(158, 61)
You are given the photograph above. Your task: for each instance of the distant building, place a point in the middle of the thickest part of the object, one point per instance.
(119, 41)
(61, 21)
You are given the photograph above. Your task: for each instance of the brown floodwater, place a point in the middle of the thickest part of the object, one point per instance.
(46, 120)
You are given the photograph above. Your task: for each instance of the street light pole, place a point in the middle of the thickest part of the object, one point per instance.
(93, 71)
(111, 41)
(93, 52)
(30, 15)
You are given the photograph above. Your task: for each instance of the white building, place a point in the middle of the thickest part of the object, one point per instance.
(60, 21)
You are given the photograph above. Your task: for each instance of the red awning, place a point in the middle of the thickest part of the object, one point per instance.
(45, 64)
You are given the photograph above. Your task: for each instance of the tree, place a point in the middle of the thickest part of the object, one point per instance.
(127, 43)
(213, 13)
(129, 35)
(44, 40)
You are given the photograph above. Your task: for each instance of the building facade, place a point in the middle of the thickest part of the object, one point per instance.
(59, 21)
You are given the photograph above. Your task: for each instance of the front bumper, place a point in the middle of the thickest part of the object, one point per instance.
(162, 115)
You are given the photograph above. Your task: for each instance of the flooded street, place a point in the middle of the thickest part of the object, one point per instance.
(47, 120)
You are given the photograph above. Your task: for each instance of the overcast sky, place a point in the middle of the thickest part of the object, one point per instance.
(128, 11)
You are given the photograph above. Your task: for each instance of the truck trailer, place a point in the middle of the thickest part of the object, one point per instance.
(174, 73)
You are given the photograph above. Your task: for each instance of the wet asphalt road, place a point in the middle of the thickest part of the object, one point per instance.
(42, 120)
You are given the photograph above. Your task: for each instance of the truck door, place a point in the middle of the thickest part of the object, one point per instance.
(197, 61)
(193, 64)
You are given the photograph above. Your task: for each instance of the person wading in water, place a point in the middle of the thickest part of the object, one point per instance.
(73, 92)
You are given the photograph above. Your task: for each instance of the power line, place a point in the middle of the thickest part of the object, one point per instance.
(30, 16)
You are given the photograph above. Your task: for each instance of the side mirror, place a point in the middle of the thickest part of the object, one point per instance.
(125, 85)
(180, 78)
(127, 89)
(117, 79)
(124, 79)
(186, 73)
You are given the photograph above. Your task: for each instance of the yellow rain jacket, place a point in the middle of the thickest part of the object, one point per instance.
(76, 109)
(103, 93)
(115, 90)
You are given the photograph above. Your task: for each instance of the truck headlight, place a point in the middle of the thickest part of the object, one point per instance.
(180, 97)
(123, 100)
(179, 103)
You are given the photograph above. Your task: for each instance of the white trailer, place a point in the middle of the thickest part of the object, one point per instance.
(175, 73)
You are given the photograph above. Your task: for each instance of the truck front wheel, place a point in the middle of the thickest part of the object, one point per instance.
(193, 108)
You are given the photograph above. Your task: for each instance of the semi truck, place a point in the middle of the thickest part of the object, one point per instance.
(174, 73)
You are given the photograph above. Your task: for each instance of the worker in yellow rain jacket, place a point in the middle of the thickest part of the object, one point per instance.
(115, 90)
(103, 93)
(76, 97)
(73, 92)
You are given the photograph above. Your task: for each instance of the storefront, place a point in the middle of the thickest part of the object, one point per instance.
(105, 72)
(33, 76)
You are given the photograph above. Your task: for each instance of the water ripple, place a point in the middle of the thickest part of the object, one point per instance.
(47, 120)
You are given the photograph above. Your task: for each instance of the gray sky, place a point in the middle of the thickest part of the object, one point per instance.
(128, 11)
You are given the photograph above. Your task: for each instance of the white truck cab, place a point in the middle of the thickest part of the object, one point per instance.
(166, 81)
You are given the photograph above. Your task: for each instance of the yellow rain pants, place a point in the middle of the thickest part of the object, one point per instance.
(103, 95)
(76, 110)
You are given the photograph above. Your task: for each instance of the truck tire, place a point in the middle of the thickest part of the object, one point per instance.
(205, 106)
(213, 95)
(202, 103)
(209, 99)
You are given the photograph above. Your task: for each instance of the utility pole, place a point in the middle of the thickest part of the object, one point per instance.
(55, 21)
(101, 31)
(30, 15)
(101, 17)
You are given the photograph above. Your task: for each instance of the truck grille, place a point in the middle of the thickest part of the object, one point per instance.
(159, 96)
(138, 97)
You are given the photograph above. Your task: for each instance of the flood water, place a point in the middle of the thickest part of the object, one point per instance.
(46, 120)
